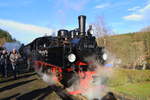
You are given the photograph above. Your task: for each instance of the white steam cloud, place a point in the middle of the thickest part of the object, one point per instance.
(139, 14)
(24, 32)
(90, 84)
(25, 27)
(12, 45)
(94, 87)
(49, 78)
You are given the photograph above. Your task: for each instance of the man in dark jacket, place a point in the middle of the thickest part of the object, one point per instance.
(4, 63)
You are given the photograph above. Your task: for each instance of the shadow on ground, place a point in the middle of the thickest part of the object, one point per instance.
(44, 92)
(19, 77)
(15, 85)
(10, 97)
(38, 94)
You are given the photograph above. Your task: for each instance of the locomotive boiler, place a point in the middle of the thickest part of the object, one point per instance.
(66, 53)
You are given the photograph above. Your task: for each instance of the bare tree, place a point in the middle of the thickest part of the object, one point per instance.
(101, 31)
(100, 27)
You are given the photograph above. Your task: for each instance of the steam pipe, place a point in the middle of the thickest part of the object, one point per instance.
(82, 23)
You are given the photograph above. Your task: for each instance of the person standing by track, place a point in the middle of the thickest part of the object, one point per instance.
(4, 63)
(14, 56)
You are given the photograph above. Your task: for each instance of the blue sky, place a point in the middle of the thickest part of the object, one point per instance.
(28, 19)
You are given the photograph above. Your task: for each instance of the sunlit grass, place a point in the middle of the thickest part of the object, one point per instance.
(135, 89)
(133, 83)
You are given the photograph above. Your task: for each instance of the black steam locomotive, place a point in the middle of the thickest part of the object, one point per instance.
(66, 53)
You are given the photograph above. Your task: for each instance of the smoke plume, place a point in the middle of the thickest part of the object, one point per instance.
(49, 78)
(90, 84)
(12, 45)
(93, 85)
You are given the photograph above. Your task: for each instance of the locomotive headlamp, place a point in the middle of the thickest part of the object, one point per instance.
(71, 57)
(105, 56)
(92, 31)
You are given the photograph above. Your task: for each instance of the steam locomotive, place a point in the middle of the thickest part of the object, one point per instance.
(66, 53)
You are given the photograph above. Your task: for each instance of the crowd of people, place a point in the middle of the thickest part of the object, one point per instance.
(9, 60)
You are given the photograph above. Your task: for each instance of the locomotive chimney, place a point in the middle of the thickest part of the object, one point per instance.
(82, 24)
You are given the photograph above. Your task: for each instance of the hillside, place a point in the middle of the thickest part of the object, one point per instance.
(145, 29)
(5, 37)
(131, 48)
